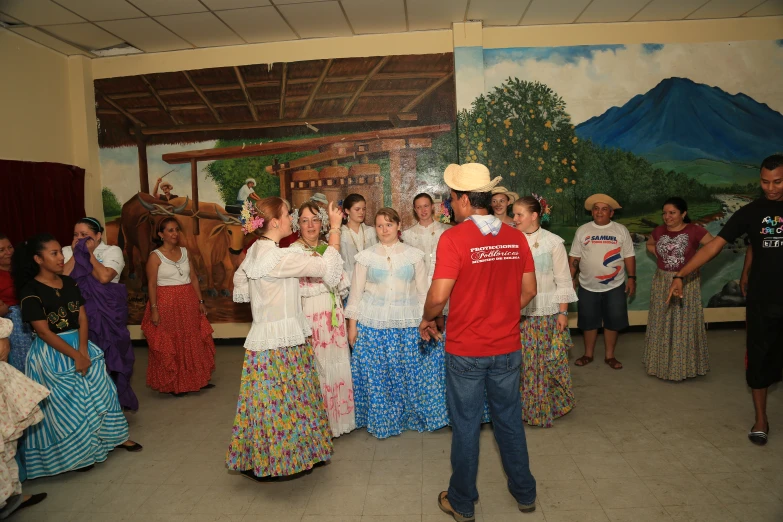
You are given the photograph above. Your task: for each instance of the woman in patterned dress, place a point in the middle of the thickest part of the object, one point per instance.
(546, 378)
(676, 340)
(323, 307)
(398, 379)
(281, 426)
(83, 420)
(19, 398)
(181, 349)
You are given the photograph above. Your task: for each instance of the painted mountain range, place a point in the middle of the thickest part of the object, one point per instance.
(683, 121)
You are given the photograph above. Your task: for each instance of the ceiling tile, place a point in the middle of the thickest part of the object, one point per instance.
(39, 12)
(201, 29)
(284, 2)
(375, 16)
(667, 10)
(169, 7)
(435, 14)
(146, 34)
(724, 9)
(258, 24)
(544, 12)
(86, 35)
(600, 11)
(9, 19)
(317, 19)
(103, 10)
(497, 12)
(49, 41)
(217, 5)
(768, 8)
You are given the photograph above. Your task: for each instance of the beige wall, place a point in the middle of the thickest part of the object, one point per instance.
(34, 102)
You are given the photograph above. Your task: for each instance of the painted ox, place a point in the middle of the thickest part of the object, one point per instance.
(219, 242)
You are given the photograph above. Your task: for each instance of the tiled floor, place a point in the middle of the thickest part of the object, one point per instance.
(635, 449)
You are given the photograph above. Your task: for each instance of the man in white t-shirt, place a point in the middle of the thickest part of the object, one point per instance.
(246, 191)
(603, 256)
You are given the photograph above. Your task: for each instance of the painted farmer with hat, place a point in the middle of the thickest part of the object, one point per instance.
(247, 191)
(485, 271)
(166, 187)
(602, 255)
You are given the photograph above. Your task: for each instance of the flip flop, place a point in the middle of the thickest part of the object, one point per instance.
(443, 504)
(583, 361)
(614, 364)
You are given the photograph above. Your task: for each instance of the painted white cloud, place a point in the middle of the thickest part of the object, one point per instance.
(611, 78)
(120, 171)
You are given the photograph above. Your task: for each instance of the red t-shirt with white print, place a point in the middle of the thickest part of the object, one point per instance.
(484, 307)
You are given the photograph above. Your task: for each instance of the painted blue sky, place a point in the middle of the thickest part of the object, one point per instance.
(594, 78)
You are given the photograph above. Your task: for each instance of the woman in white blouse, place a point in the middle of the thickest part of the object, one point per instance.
(356, 236)
(281, 426)
(398, 380)
(425, 234)
(546, 377)
(323, 307)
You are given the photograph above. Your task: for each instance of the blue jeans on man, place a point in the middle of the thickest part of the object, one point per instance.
(467, 378)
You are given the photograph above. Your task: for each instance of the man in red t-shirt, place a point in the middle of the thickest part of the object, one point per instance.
(485, 271)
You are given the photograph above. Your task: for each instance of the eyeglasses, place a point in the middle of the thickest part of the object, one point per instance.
(307, 221)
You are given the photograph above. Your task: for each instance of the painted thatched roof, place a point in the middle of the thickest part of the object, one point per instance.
(277, 100)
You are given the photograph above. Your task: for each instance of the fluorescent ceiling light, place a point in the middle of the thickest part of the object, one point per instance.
(116, 50)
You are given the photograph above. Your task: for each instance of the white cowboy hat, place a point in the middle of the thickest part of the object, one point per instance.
(166, 184)
(470, 177)
(248, 180)
(512, 196)
(319, 198)
(601, 198)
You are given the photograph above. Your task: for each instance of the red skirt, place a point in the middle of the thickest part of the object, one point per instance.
(181, 349)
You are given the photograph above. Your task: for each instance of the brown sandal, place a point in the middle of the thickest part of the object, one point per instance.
(614, 364)
(583, 361)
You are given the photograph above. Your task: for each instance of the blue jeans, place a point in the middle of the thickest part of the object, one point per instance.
(467, 378)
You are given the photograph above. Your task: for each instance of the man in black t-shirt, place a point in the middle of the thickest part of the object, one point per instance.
(762, 221)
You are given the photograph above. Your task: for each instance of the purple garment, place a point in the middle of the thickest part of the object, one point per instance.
(107, 312)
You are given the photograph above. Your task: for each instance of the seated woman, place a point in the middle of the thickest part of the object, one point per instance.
(323, 306)
(21, 337)
(83, 419)
(19, 398)
(546, 378)
(399, 383)
(96, 268)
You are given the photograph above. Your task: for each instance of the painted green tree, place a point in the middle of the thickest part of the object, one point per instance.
(111, 205)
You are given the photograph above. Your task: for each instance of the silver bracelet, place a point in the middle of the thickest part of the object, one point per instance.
(334, 231)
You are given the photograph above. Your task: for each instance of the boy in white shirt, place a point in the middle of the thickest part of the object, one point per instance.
(602, 254)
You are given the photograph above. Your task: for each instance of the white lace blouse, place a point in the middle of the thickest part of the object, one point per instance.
(268, 279)
(389, 287)
(351, 243)
(553, 278)
(315, 286)
(426, 240)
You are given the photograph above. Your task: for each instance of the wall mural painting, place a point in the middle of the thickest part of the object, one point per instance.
(186, 143)
(639, 122)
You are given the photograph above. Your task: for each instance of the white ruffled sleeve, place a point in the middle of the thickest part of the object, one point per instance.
(241, 284)
(357, 291)
(6, 327)
(423, 279)
(565, 288)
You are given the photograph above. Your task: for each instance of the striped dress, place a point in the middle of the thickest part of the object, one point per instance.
(83, 420)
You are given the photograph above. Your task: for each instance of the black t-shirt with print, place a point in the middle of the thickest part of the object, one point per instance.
(762, 220)
(58, 306)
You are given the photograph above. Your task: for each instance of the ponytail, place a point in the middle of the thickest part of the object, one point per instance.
(23, 265)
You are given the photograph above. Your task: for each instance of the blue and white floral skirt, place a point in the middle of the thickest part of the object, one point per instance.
(399, 382)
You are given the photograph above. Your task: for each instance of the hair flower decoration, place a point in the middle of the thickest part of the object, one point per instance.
(250, 218)
(546, 209)
(322, 216)
(443, 212)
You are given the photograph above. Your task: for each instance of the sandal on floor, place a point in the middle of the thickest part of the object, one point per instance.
(33, 500)
(614, 364)
(583, 361)
(758, 438)
(131, 447)
(443, 504)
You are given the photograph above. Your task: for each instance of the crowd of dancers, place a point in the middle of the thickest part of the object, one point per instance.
(337, 340)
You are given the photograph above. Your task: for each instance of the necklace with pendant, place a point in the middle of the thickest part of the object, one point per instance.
(388, 255)
(535, 245)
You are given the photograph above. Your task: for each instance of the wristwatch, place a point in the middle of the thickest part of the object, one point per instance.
(563, 313)
(631, 277)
